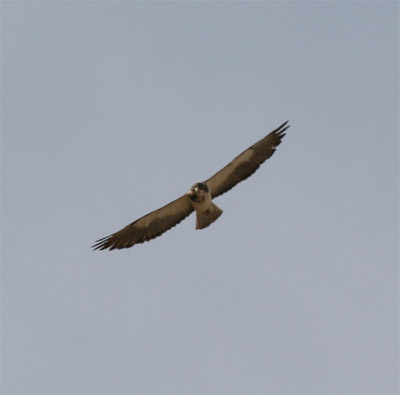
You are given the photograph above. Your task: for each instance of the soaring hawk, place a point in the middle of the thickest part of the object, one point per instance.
(198, 198)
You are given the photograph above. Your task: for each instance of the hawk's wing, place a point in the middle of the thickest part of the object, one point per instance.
(245, 164)
(148, 227)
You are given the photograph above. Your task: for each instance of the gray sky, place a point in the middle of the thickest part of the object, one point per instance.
(112, 109)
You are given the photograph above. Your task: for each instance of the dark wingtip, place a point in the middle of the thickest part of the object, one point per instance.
(101, 244)
(280, 130)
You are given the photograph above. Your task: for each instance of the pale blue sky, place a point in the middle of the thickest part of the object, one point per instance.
(112, 109)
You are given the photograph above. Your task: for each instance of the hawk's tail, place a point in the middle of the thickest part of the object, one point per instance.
(202, 221)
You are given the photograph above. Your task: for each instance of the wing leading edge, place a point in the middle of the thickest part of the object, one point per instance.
(148, 227)
(245, 164)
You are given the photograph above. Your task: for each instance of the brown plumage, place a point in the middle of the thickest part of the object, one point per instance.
(245, 164)
(198, 198)
(148, 227)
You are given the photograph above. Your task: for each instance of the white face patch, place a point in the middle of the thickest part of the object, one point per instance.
(202, 200)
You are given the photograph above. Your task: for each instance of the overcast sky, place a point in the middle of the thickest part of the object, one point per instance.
(112, 109)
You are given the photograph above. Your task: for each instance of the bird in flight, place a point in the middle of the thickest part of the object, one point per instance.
(198, 198)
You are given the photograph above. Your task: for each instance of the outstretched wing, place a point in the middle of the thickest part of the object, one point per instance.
(245, 164)
(148, 227)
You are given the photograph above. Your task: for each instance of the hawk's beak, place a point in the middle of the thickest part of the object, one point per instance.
(192, 192)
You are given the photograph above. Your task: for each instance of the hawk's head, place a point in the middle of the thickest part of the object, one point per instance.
(198, 192)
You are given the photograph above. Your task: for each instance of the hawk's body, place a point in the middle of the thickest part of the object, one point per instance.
(199, 198)
(206, 211)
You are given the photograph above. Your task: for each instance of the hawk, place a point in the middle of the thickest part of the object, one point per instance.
(198, 198)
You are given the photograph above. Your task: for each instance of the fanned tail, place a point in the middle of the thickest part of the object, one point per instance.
(202, 221)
